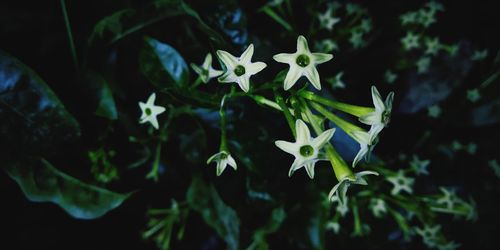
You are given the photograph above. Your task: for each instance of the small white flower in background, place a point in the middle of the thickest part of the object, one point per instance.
(352, 8)
(305, 149)
(434, 111)
(342, 207)
(390, 77)
(302, 63)
(420, 166)
(423, 65)
(448, 246)
(434, 6)
(366, 25)
(456, 145)
(336, 81)
(453, 49)
(206, 72)
(150, 111)
(334, 226)
(473, 95)
(429, 234)
(449, 198)
(471, 148)
(378, 207)
(479, 55)
(356, 39)
(410, 41)
(240, 69)
(493, 164)
(367, 142)
(326, 45)
(426, 17)
(222, 159)
(401, 183)
(381, 117)
(339, 191)
(327, 20)
(432, 46)
(408, 18)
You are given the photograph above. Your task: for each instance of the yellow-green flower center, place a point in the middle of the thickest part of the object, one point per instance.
(303, 60)
(306, 150)
(239, 70)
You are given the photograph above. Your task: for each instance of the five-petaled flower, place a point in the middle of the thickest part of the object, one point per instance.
(150, 111)
(223, 158)
(302, 63)
(379, 118)
(305, 148)
(206, 72)
(240, 69)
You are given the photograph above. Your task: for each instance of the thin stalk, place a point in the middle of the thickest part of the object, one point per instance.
(270, 12)
(70, 34)
(223, 136)
(355, 110)
(286, 111)
(343, 124)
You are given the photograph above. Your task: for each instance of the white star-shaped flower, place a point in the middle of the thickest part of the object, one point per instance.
(429, 234)
(223, 158)
(426, 17)
(473, 95)
(240, 69)
(378, 207)
(305, 149)
(420, 166)
(339, 191)
(401, 183)
(408, 18)
(336, 81)
(150, 111)
(302, 63)
(206, 72)
(381, 117)
(366, 25)
(479, 55)
(326, 45)
(410, 41)
(432, 46)
(334, 226)
(449, 198)
(434, 111)
(356, 39)
(327, 20)
(390, 76)
(423, 65)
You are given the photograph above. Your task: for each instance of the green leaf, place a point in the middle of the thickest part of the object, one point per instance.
(34, 121)
(42, 182)
(204, 199)
(259, 237)
(112, 24)
(173, 67)
(102, 95)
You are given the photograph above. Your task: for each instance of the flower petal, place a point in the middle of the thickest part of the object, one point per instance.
(374, 117)
(288, 147)
(388, 101)
(313, 76)
(302, 47)
(207, 63)
(244, 83)
(255, 68)
(310, 168)
(297, 163)
(228, 76)
(231, 162)
(214, 73)
(292, 76)
(151, 99)
(377, 99)
(302, 132)
(221, 166)
(361, 137)
(374, 131)
(246, 57)
(321, 57)
(285, 58)
(229, 60)
(323, 138)
(361, 153)
(333, 192)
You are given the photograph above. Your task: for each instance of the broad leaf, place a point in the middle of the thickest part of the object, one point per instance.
(42, 182)
(101, 94)
(204, 199)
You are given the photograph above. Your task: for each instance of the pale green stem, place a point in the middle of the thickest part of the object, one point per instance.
(270, 12)
(197, 82)
(153, 174)
(286, 111)
(70, 35)
(343, 124)
(223, 136)
(355, 110)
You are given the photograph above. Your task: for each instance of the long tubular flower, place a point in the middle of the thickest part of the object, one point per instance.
(381, 117)
(240, 69)
(150, 111)
(205, 71)
(305, 148)
(302, 63)
(339, 191)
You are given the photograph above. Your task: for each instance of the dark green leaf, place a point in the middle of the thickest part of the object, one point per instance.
(42, 182)
(204, 199)
(173, 67)
(101, 92)
(259, 237)
(34, 121)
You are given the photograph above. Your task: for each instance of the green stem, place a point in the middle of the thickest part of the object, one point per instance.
(70, 35)
(286, 111)
(270, 12)
(343, 124)
(266, 102)
(153, 174)
(196, 83)
(223, 136)
(355, 110)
